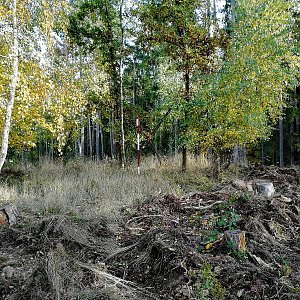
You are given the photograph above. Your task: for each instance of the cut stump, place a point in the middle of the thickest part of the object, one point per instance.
(236, 239)
(265, 188)
(8, 214)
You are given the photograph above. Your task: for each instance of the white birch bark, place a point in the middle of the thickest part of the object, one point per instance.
(123, 155)
(81, 143)
(13, 85)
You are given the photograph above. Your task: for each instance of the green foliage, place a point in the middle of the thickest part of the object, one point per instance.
(239, 103)
(207, 285)
(286, 268)
(228, 220)
(182, 30)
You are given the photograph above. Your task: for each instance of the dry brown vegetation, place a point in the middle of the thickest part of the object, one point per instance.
(92, 231)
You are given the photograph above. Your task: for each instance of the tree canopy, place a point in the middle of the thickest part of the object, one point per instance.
(199, 78)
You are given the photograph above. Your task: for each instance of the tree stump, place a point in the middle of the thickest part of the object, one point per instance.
(265, 188)
(236, 239)
(8, 214)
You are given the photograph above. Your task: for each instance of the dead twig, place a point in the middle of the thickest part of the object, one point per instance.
(144, 217)
(120, 251)
(116, 281)
(203, 207)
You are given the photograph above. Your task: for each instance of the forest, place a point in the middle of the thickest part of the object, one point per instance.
(150, 150)
(212, 77)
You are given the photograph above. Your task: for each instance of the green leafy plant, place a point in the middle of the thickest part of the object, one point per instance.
(228, 220)
(207, 285)
(286, 268)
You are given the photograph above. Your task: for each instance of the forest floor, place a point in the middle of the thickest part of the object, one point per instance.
(223, 242)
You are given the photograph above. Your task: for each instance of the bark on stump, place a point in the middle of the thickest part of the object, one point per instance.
(236, 239)
(8, 214)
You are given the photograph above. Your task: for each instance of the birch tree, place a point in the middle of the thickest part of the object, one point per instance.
(13, 86)
(241, 103)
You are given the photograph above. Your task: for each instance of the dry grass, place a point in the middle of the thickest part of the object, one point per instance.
(65, 205)
(86, 188)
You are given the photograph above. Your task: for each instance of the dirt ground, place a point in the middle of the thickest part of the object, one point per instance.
(229, 243)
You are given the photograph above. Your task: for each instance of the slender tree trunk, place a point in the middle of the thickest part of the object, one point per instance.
(13, 86)
(233, 15)
(187, 99)
(52, 149)
(76, 149)
(208, 16)
(134, 86)
(262, 152)
(281, 162)
(46, 149)
(102, 155)
(171, 141)
(90, 137)
(81, 143)
(155, 142)
(123, 155)
(97, 141)
(292, 148)
(111, 135)
(176, 137)
(235, 155)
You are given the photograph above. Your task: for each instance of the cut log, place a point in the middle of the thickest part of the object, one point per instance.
(236, 239)
(265, 188)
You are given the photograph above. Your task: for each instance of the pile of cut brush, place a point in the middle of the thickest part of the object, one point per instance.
(233, 243)
(230, 243)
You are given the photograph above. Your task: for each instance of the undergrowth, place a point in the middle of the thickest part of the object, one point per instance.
(84, 188)
(89, 188)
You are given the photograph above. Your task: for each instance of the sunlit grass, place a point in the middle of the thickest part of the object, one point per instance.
(87, 188)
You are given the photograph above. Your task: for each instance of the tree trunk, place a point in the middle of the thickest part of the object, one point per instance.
(101, 138)
(123, 156)
(97, 142)
(176, 137)
(171, 141)
(111, 135)
(292, 149)
(235, 154)
(187, 99)
(262, 152)
(81, 143)
(52, 149)
(14, 81)
(281, 162)
(90, 137)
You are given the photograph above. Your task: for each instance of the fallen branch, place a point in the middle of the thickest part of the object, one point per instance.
(203, 207)
(143, 217)
(115, 281)
(121, 250)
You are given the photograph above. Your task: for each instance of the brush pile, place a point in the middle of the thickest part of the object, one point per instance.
(230, 243)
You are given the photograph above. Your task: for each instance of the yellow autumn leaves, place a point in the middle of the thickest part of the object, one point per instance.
(49, 98)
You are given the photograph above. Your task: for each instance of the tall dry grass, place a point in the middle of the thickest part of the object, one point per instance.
(87, 188)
